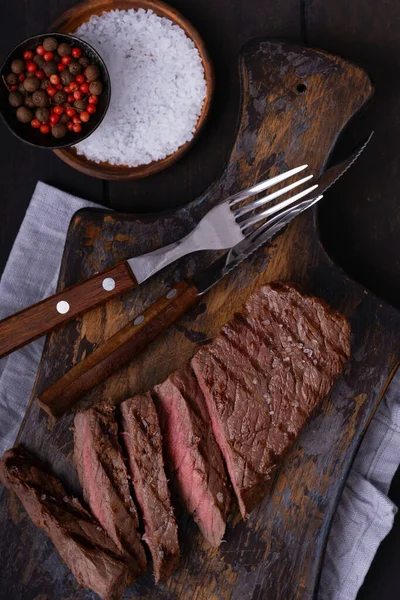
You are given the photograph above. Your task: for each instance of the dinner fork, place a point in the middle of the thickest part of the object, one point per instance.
(221, 228)
(225, 225)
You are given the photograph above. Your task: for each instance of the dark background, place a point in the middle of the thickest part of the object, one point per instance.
(360, 218)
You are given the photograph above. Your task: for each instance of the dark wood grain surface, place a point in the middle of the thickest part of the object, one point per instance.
(360, 217)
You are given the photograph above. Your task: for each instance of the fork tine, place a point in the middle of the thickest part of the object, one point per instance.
(263, 185)
(274, 209)
(282, 219)
(265, 232)
(266, 199)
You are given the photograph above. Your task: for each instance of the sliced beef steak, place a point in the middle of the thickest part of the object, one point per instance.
(263, 376)
(104, 479)
(321, 333)
(86, 549)
(193, 453)
(142, 437)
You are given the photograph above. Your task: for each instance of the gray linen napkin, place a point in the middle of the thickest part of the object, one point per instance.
(364, 515)
(31, 274)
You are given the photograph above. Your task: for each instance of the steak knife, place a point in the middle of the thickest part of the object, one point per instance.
(123, 346)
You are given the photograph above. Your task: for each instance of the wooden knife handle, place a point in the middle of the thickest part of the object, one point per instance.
(118, 350)
(36, 320)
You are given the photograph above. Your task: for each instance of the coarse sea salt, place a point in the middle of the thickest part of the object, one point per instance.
(157, 87)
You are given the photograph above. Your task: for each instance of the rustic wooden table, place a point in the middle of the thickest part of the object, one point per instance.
(360, 223)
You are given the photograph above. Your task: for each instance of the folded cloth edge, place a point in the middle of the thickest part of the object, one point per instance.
(365, 514)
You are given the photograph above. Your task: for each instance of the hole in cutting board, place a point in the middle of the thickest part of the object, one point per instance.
(301, 88)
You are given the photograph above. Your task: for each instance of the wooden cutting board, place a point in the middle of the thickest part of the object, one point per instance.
(295, 103)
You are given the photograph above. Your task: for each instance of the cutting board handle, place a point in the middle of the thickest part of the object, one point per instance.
(33, 322)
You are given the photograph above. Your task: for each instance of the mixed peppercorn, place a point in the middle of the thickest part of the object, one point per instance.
(55, 88)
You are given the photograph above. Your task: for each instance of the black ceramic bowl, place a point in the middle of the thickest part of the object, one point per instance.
(24, 130)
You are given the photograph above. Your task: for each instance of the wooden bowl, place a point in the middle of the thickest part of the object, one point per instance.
(70, 21)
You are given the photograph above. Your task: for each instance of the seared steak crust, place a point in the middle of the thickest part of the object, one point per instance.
(104, 479)
(142, 437)
(85, 548)
(193, 453)
(289, 349)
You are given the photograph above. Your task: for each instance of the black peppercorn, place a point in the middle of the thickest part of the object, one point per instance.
(56, 58)
(80, 104)
(50, 68)
(45, 84)
(40, 98)
(95, 88)
(60, 97)
(92, 72)
(59, 130)
(21, 89)
(15, 99)
(66, 77)
(64, 49)
(29, 101)
(31, 84)
(64, 118)
(42, 114)
(17, 66)
(24, 115)
(75, 68)
(50, 44)
(84, 61)
(39, 60)
(12, 79)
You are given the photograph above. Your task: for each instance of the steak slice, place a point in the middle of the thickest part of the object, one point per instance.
(104, 479)
(290, 348)
(192, 451)
(85, 548)
(142, 437)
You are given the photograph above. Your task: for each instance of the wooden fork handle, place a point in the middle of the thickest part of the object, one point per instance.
(118, 350)
(33, 322)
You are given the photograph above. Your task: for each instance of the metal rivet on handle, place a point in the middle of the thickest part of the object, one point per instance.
(62, 307)
(108, 284)
(138, 320)
(171, 294)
